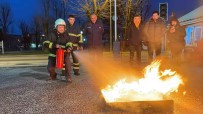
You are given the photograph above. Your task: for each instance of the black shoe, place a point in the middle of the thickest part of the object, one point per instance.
(53, 77)
(77, 74)
(63, 73)
(68, 79)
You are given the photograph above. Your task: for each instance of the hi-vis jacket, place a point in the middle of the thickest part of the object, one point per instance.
(74, 34)
(56, 38)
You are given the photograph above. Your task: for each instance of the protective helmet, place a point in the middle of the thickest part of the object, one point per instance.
(59, 22)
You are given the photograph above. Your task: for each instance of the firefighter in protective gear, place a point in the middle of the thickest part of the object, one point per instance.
(55, 40)
(75, 35)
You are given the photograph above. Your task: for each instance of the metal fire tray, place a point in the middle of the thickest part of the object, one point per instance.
(143, 107)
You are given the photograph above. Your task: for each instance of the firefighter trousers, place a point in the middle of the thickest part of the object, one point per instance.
(76, 64)
(67, 66)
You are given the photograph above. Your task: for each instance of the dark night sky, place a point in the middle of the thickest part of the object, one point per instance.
(22, 10)
(179, 7)
(25, 9)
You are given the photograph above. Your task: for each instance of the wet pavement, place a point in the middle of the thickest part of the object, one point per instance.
(25, 90)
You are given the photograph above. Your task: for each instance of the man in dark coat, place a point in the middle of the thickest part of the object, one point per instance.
(176, 37)
(58, 38)
(154, 30)
(135, 37)
(94, 31)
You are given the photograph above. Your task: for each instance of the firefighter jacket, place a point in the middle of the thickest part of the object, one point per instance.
(56, 38)
(94, 32)
(154, 31)
(74, 34)
(135, 34)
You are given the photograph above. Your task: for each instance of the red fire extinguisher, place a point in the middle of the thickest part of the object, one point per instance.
(59, 58)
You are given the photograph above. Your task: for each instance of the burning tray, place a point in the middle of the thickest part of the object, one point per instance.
(143, 107)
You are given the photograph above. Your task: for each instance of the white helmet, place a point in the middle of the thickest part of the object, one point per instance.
(59, 22)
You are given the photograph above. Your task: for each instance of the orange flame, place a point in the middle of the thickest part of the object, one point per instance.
(153, 86)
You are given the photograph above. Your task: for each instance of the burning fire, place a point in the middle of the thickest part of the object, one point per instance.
(154, 86)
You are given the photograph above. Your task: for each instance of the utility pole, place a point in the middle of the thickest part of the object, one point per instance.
(115, 21)
(110, 26)
(116, 43)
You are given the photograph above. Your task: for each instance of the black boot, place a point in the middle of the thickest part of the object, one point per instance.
(63, 73)
(53, 77)
(76, 73)
(68, 78)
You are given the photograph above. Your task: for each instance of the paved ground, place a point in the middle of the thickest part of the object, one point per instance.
(23, 60)
(25, 90)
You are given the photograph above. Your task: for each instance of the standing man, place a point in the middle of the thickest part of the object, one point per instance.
(58, 39)
(94, 31)
(154, 31)
(135, 38)
(76, 38)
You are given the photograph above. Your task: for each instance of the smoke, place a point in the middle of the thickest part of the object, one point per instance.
(106, 70)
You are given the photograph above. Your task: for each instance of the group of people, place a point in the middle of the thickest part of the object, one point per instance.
(69, 38)
(151, 34)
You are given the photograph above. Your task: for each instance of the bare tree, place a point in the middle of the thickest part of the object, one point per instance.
(37, 28)
(64, 8)
(125, 8)
(59, 8)
(23, 27)
(46, 16)
(86, 7)
(56, 7)
(5, 17)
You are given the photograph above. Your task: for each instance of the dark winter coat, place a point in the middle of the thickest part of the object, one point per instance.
(94, 34)
(74, 34)
(176, 39)
(135, 34)
(154, 31)
(56, 38)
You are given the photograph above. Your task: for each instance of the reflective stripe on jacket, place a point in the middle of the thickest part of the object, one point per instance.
(75, 35)
(55, 38)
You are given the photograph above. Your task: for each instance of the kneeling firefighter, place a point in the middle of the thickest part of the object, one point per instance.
(58, 40)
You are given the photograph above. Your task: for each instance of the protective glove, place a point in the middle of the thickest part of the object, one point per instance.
(79, 48)
(69, 49)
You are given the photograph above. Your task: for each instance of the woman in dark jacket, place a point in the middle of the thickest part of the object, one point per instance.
(176, 37)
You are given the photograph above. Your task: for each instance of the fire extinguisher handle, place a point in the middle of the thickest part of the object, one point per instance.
(58, 46)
